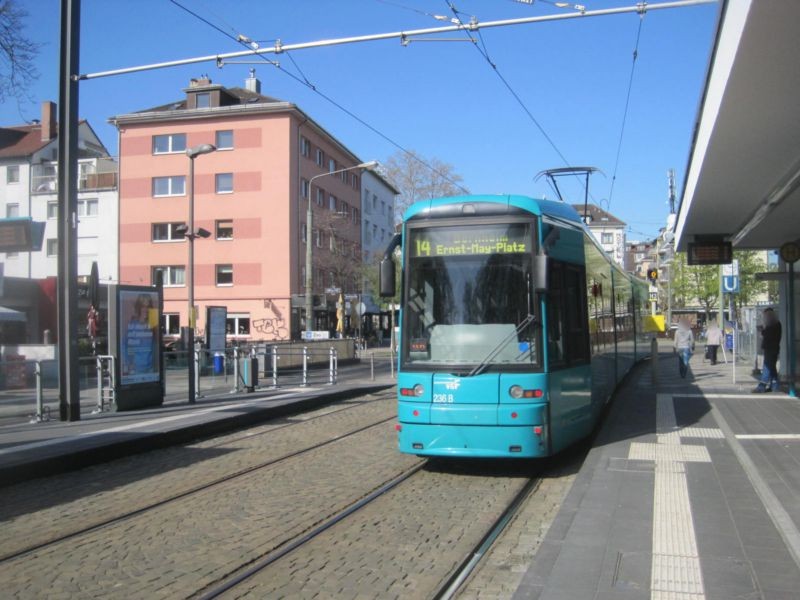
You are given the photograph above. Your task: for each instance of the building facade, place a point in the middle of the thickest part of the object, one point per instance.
(252, 194)
(377, 207)
(29, 188)
(607, 229)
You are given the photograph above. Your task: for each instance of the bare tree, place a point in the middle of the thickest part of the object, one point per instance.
(17, 52)
(419, 179)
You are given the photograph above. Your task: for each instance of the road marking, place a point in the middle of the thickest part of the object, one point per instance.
(768, 436)
(675, 571)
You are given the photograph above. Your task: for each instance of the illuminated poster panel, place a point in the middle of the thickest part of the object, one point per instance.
(138, 334)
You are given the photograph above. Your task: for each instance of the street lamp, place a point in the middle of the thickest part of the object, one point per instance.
(369, 166)
(190, 234)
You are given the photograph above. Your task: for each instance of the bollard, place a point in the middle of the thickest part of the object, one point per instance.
(99, 366)
(274, 366)
(335, 366)
(235, 369)
(305, 365)
(196, 359)
(391, 364)
(372, 366)
(39, 393)
(654, 359)
(331, 377)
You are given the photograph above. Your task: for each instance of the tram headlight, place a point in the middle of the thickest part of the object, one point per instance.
(515, 391)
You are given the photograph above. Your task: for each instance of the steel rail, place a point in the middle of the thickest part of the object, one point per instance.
(181, 495)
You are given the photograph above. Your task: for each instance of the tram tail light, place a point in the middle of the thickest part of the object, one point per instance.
(398, 427)
(416, 391)
(538, 430)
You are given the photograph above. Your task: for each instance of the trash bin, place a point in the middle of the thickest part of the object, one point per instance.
(728, 341)
(219, 363)
(250, 374)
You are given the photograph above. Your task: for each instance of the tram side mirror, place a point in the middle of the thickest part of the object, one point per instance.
(540, 269)
(387, 276)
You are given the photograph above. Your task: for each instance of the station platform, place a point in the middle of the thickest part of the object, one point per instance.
(691, 491)
(30, 450)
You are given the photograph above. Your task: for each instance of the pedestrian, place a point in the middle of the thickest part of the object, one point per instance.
(683, 344)
(770, 345)
(713, 341)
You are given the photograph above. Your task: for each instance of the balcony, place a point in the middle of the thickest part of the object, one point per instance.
(95, 175)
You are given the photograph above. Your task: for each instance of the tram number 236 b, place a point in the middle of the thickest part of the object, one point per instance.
(443, 398)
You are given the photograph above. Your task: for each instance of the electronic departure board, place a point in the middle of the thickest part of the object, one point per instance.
(506, 238)
(709, 253)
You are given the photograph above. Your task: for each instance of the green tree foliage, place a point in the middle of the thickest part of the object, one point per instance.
(17, 52)
(417, 178)
(750, 263)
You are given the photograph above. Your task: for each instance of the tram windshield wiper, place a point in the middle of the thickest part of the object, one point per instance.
(480, 367)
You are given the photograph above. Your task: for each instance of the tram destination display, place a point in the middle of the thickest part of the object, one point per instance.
(513, 238)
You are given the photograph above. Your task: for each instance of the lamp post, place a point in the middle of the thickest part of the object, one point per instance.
(190, 235)
(371, 165)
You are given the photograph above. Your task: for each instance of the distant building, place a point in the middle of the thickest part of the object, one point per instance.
(252, 194)
(377, 207)
(607, 229)
(639, 257)
(29, 188)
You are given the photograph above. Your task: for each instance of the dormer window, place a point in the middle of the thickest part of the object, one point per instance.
(202, 100)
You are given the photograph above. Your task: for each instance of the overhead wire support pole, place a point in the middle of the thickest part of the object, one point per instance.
(400, 35)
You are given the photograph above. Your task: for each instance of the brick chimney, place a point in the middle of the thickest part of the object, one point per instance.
(48, 121)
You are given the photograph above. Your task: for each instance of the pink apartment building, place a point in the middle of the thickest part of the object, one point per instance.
(252, 195)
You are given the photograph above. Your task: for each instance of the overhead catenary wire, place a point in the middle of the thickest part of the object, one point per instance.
(627, 106)
(305, 82)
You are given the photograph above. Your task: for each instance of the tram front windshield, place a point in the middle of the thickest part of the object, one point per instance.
(469, 300)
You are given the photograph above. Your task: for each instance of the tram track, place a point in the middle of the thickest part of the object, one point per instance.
(10, 556)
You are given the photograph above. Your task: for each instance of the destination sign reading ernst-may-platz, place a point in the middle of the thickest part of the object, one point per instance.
(466, 241)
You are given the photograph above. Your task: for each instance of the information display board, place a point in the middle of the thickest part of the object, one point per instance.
(505, 238)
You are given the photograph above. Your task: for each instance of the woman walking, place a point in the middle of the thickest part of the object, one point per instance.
(684, 345)
(713, 341)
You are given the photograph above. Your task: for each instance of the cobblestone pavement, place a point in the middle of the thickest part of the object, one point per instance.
(179, 548)
(37, 511)
(402, 545)
(501, 570)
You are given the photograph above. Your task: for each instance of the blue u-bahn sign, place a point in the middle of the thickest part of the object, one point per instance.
(730, 284)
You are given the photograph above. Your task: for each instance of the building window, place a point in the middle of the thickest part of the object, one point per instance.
(52, 247)
(343, 176)
(237, 324)
(305, 189)
(332, 203)
(224, 229)
(305, 147)
(169, 186)
(345, 209)
(168, 143)
(320, 197)
(303, 232)
(224, 140)
(224, 183)
(320, 157)
(170, 324)
(12, 174)
(88, 207)
(366, 204)
(606, 238)
(165, 232)
(224, 275)
(318, 238)
(202, 100)
(52, 210)
(332, 245)
(12, 210)
(173, 275)
(331, 165)
(354, 181)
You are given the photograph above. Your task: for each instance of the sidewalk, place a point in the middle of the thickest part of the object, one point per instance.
(34, 450)
(691, 491)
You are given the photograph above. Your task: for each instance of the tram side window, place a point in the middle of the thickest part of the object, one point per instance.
(555, 316)
(577, 323)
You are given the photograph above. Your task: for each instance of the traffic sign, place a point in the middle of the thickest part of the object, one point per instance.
(730, 284)
(790, 252)
(731, 269)
(652, 274)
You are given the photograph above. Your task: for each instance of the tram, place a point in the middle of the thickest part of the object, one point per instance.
(515, 327)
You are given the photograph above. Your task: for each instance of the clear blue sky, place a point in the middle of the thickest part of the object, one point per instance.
(441, 99)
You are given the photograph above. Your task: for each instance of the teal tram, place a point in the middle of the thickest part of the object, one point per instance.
(515, 327)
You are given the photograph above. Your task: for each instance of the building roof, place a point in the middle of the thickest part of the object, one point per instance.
(597, 217)
(244, 96)
(20, 141)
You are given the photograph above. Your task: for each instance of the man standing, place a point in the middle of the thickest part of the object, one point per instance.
(770, 344)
